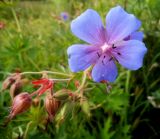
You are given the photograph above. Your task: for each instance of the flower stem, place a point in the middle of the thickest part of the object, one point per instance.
(83, 82)
(48, 72)
(61, 80)
(34, 93)
(127, 82)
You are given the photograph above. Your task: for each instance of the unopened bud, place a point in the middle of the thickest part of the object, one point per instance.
(51, 105)
(21, 103)
(62, 94)
(15, 89)
(7, 82)
(10, 80)
(86, 108)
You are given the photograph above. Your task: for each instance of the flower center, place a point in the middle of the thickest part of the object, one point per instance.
(105, 47)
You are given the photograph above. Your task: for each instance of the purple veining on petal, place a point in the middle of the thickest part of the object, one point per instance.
(120, 24)
(82, 56)
(135, 36)
(104, 69)
(130, 54)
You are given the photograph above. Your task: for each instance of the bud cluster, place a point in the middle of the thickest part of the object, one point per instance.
(22, 101)
(14, 83)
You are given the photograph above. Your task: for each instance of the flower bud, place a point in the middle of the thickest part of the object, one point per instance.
(8, 81)
(51, 105)
(62, 94)
(15, 89)
(6, 84)
(20, 104)
(86, 108)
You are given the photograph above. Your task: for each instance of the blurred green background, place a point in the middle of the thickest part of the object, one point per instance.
(34, 37)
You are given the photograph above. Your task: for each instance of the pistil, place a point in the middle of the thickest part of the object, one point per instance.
(104, 47)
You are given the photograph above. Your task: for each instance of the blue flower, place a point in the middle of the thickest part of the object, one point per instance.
(118, 42)
(64, 16)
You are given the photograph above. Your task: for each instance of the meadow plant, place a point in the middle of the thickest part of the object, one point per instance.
(118, 42)
(91, 99)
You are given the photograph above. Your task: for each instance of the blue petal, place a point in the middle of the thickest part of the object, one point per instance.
(104, 69)
(88, 27)
(137, 36)
(120, 24)
(81, 56)
(130, 54)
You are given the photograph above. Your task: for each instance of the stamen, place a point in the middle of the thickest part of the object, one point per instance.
(98, 54)
(116, 60)
(110, 58)
(113, 46)
(119, 53)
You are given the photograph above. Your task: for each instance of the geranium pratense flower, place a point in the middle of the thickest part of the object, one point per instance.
(119, 41)
(64, 16)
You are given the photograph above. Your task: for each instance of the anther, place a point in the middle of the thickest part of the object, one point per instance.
(110, 58)
(119, 53)
(113, 46)
(117, 60)
(98, 54)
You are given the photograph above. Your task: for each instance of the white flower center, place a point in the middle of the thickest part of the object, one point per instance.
(104, 47)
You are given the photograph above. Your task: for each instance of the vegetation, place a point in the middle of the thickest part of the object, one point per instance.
(34, 37)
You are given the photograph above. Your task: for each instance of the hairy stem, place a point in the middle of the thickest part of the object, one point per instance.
(83, 82)
(48, 72)
(127, 82)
